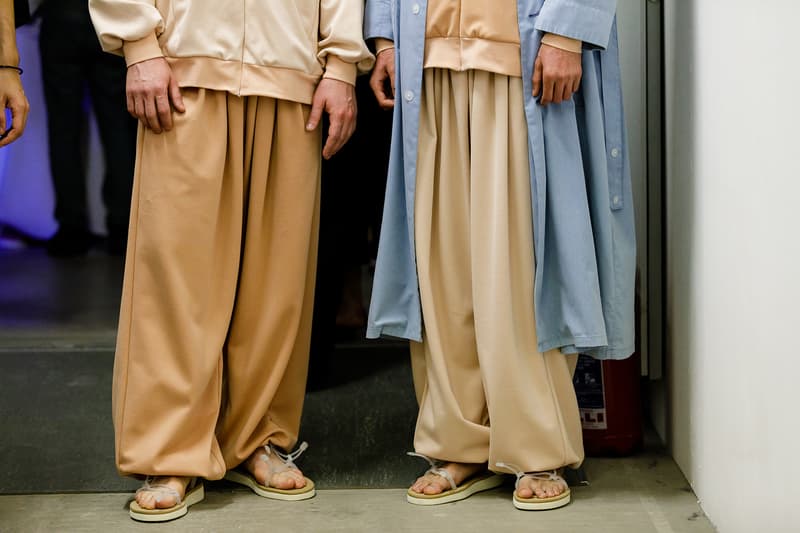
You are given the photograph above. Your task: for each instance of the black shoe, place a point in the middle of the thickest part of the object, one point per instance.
(69, 242)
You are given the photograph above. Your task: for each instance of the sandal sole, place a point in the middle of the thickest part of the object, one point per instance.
(543, 504)
(140, 514)
(307, 492)
(461, 493)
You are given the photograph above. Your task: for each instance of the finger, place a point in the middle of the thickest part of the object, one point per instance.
(131, 103)
(317, 106)
(3, 104)
(349, 129)
(150, 114)
(391, 77)
(17, 123)
(138, 110)
(19, 115)
(377, 82)
(175, 96)
(548, 86)
(567, 93)
(333, 143)
(568, 89)
(576, 84)
(537, 77)
(164, 111)
(558, 91)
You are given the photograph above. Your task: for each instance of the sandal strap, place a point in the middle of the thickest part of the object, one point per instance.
(551, 475)
(162, 489)
(286, 458)
(436, 469)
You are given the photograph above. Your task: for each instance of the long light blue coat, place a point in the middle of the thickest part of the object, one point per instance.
(580, 184)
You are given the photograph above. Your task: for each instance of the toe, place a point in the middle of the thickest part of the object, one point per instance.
(438, 486)
(420, 484)
(144, 500)
(432, 489)
(299, 479)
(165, 502)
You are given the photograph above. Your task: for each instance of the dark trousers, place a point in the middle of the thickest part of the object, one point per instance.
(73, 61)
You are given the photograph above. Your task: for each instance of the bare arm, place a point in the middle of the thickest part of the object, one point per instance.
(11, 94)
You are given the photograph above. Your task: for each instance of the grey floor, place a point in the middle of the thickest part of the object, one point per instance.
(57, 328)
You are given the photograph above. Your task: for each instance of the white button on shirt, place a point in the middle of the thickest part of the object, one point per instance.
(615, 152)
(409, 96)
(415, 9)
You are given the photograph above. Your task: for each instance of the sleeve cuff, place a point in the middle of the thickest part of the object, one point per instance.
(382, 44)
(563, 43)
(142, 50)
(337, 69)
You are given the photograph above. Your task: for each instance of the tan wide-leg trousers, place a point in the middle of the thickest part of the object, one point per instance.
(212, 349)
(485, 392)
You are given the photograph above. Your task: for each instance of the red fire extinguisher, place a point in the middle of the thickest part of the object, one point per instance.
(609, 399)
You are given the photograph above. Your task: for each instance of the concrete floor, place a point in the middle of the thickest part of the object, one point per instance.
(638, 495)
(57, 321)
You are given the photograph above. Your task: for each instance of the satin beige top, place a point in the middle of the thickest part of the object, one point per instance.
(477, 34)
(473, 34)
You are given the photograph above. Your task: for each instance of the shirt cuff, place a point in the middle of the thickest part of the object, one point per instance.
(336, 69)
(141, 50)
(563, 43)
(382, 44)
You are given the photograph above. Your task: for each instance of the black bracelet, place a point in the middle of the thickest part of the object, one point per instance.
(11, 67)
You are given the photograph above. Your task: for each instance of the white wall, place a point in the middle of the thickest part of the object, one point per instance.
(733, 257)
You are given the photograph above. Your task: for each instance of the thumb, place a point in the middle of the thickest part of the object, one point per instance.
(175, 96)
(317, 106)
(537, 76)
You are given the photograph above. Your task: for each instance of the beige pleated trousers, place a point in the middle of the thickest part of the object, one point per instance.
(486, 393)
(212, 349)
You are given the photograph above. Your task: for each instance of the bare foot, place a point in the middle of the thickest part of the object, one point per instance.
(541, 488)
(160, 499)
(431, 484)
(270, 471)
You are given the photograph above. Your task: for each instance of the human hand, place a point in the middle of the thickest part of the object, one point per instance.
(12, 97)
(338, 99)
(383, 72)
(556, 74)
(153, 93)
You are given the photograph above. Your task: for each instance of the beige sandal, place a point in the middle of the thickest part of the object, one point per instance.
(243, 477)
(194, 493)
(534, 503)
(478, 483)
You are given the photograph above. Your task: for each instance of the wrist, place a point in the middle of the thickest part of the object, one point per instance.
(381, 45)
(563, 43)
(10, 69)
(9, 58)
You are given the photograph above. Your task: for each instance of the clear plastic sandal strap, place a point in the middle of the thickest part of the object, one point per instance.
(436, 469)
(159, 489)
(541, 476)
(287, 458)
